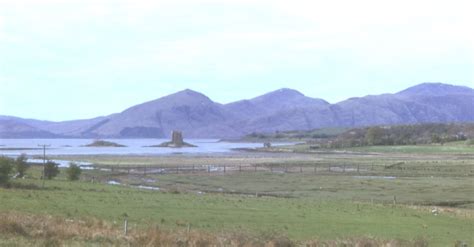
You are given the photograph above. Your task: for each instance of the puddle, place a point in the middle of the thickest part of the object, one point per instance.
(149, 180)
(112, 182)
(375, 177)
(215, 168)
(144, 187)
(64, 163)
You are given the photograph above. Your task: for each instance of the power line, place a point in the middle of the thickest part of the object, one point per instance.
(44, 160)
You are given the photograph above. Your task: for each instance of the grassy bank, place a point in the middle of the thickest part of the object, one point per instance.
(453, 148)
(298, 218)
(450, 148)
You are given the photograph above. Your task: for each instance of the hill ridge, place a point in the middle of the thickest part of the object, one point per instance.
(283, 109)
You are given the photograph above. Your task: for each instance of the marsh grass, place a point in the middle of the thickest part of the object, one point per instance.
(82, 204)
(46, 230)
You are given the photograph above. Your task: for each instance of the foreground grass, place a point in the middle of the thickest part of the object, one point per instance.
(22, 230)
(298, 218)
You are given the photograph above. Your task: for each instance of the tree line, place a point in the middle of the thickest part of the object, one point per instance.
(404, 135)
(16, 168)
(428, 133)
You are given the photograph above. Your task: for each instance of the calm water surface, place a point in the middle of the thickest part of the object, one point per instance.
(134, 147)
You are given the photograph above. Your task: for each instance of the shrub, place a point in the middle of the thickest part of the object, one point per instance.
(5, 169)
(73, 172)
(51, 170)
(21, 165)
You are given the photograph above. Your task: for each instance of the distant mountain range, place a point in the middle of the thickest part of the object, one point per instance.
(285, 109)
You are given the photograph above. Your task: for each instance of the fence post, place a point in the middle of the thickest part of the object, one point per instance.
(193, 169)
(255, 168)
(315, 168)
(301, 168)
(240, 168)
(125, 225)
(144, 170)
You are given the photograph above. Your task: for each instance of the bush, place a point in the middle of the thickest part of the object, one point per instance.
(51, 170)
(73, 172)
(5, 169)
(21, 165)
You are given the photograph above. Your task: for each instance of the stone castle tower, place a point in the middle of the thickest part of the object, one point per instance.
(176, 141)
(177, 138)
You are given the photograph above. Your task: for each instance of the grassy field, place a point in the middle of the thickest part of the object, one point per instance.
(406, 190)
(449, 148)
(453, 148)
(301, 218)
(391, 197)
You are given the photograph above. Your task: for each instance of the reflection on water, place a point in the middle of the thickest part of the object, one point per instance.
(64, 163)
(15, 147)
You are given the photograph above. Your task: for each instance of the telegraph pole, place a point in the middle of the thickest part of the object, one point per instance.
(44, 160)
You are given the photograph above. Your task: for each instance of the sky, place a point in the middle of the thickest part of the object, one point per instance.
(75, 59)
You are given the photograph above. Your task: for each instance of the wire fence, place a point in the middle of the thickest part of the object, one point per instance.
(334, 169)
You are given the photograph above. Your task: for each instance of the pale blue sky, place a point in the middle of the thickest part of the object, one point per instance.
(62, 60)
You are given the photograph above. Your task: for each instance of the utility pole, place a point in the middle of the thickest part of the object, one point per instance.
(44, 160)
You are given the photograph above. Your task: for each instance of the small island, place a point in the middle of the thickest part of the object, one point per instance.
(101, 143)
(176, 141)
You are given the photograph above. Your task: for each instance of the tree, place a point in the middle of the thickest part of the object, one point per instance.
(435, 138)
(374, 136)
(5, 169)
(51, 170)
(73, 172)
(21, 165)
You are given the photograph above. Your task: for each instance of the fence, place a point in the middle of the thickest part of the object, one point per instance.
(334, 169)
